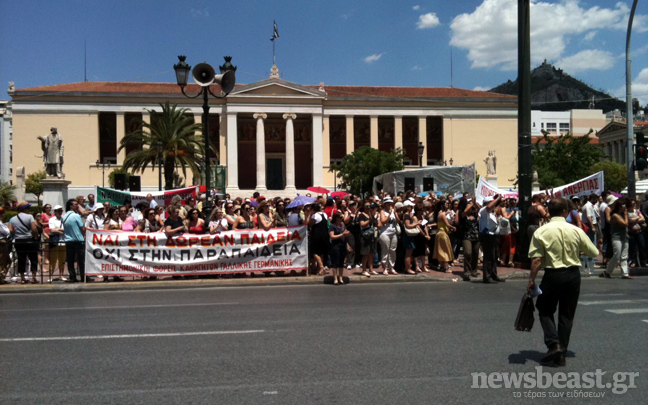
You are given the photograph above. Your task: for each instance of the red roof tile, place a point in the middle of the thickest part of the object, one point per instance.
(332, 91)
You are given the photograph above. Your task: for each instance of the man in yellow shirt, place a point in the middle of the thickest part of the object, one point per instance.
(556, 247)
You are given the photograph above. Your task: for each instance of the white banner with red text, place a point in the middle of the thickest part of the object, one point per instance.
(591, 184)
(485, 189)
(116, 253)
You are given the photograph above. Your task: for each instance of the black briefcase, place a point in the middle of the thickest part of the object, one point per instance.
(525, 318)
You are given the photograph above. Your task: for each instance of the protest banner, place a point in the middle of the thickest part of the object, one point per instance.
(588, 185)
(119, 197)
(485, 189)
(116, 253)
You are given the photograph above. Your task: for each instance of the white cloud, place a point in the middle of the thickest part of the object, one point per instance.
(429, 20)
(416, 8)
(589, 59)
(590, 36)
(373, 58)
(417, 67)
(204, 13)
(490, 32)
(482, 88)
(639, 88)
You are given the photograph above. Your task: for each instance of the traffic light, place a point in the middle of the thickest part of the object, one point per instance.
(641, 156)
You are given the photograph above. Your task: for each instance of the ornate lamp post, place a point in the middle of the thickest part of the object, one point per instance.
(103, 171)
(421, 149)
(204, 75)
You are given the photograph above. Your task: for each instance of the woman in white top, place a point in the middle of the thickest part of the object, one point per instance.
(217, 223)
(388, 238)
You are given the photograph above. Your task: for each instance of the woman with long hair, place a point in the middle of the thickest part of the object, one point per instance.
(368, 222)
(217, 223)
(230, 215)
(281, 218)
(619, 235)
(195, 225)
(388, 238)
(470, 240)
(443, 247)
(266, 219)
(244, 221)
(410, 230)
(338, 234)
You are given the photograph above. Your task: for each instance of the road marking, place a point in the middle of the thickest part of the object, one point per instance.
(645, 320)
(143, 335)
(119, 307)
(628, 311)
(611, 302)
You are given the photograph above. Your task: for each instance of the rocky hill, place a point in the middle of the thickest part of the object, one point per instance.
(554, 90)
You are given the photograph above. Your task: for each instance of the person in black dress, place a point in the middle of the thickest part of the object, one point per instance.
(338, 235)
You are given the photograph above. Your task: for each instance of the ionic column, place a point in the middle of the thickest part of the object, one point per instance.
(373, 133)
(290, 153)
(260, 153)
(318, 168)
(423, 137)
(398, 132)
(350, 142)
(121, 132)
(232, 154)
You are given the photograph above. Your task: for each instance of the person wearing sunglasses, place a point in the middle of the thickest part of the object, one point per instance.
(244, 221)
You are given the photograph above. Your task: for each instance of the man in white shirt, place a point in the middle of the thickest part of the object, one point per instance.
(57, 243)
(488, 231)
(151, 201)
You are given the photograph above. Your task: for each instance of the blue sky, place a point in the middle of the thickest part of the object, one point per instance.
(373, 43)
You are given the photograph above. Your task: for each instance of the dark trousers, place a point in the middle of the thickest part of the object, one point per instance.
(490, 248)
(560, 289)
(27, 248)
(75, 253)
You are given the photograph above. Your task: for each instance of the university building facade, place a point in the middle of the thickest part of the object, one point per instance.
(273, 135)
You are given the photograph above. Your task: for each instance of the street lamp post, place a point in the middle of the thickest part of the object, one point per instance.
(103, 171)
(159, 151)
(421, 149)
(204, 75)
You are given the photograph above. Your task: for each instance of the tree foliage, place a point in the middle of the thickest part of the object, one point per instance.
(7, 194)
(177, 136)
(615, 175)
(357, 170)
(33, 184)
(564, 159)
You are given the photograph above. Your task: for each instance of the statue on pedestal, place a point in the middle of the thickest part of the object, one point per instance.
(52, 146)
(491, 163)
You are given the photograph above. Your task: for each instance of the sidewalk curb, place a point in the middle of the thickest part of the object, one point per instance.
(242, 282)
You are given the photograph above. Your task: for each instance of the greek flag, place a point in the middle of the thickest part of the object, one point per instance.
(275, 33)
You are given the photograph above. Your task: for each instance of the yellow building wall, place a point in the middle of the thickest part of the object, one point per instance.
(80, 134)
(469, 140)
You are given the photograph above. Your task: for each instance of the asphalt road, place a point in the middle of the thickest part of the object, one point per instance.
(400, 343)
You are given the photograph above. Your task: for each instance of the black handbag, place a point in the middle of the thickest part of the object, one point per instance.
(525, 318)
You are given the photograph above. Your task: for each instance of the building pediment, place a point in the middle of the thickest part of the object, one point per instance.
(611, 128)
(276, 88)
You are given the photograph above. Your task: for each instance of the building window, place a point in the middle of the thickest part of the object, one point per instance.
(551, 127)
(108, 137)
(564, 128)
(132, 123)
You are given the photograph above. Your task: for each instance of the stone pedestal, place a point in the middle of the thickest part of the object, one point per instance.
(55, 191)
(492, 179)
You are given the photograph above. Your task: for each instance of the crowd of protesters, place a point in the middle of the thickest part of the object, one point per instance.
(381, 234)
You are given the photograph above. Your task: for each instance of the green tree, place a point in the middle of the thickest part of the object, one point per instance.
(564, 159)
(615, 174)
(33, 184)
(111, 176)
(357, 170)
(7, 194)
(176, 134)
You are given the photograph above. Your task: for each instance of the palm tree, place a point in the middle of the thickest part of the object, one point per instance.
(172, 131)
(7, 194)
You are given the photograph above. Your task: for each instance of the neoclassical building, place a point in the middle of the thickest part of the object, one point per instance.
(272, 134)
(613, 138)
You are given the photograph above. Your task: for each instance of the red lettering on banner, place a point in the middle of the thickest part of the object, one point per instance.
(181, 241)
(228, 239)
(281, 236)
(595, 183)
(245, 239)
(205, 241)
(296, 236)
(131, 240)
(270, 239)
(217, 241)
(151, 241)
(193, 241)
(256, 240)
(170, 243)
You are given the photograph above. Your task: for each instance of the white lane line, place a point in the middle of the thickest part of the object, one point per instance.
(645, 320)
(628, 311)
(119, 307)
(143, 335)
(611, 302)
